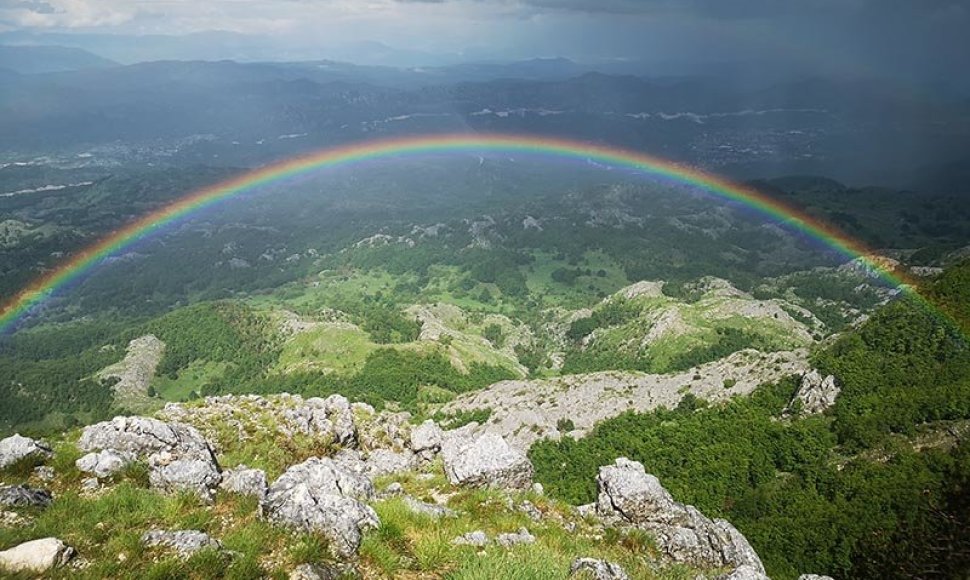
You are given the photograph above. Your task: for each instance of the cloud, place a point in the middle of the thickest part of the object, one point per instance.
(64, 13)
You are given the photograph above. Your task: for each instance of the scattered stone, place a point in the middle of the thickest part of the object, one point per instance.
(245, 481)
(521, 537)
(319, 495)
(23, 496)
(814, 577)
(476, 538)
(36, 556)
(487, 461)
(394, 489)
(90, 484)
(529, 509)
(11, 519)
(314, 572)
(815, 394)
(104, 463)
(44, 473)
(599, 569)
(331, 416)
(426, 440)
(586, 510)
(386, 431)
(16, 448)
(429, 509)
(538, 489)
(184, 542)
(744, 573)
(628, 495)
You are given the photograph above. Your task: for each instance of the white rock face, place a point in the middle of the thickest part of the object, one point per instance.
(486, 461)
(815, 394)
(319, 495)
(814, 577)
(135, 371)
(37, 556)
(104, 463)
(629, 495)
(521, 537)
(384, 461)
(16, 447)
(744, 573)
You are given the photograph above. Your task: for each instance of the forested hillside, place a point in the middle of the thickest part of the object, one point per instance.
(877, 487)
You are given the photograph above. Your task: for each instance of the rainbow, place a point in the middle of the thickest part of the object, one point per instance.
(85, 260)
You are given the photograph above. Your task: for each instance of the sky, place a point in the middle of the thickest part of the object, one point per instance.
(853, 37)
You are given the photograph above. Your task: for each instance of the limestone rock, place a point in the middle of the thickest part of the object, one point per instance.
(314, 572)
(521, 537)
(36, 556)
(598, 569)
(331, 416)
(23, 496)
(814, 577)
(744, 573)
(429, 509)
(16, 448)
(384, 462)
(44, 473)
(476, 538)
(319, 495)
(245, 481)
(815, 394)
(426, 440)
(630, 496)
(179, 457)
(486, 461)
(104, 463)
(183, 542)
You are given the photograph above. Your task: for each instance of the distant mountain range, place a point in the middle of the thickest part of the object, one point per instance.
(47, 59)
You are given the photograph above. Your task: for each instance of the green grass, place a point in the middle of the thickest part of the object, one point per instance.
(192, 378)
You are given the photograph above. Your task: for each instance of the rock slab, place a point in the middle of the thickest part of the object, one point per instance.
(36, 556)
(487, 461)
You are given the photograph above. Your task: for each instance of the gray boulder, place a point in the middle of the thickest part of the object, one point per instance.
(598, 569)
(36, 556)
(521, 537)
(630, 496)
(314, 572)
(319, 495)
(143, 436)
(183, 542)
(23, 496)
(245, 481)
(487, 461)
(104, 463)
(429, 509)
(178, 456)
(744, 573)
(814, 577)
(44, 473)
(426, 440)
(16, 448)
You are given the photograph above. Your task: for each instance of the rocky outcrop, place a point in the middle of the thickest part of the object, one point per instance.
(36, 556)
(23, 496)
(384, 462)
(597, 569)
(815, 394)
(513, 539)
(485, 461)
(134, 373)
(319, 495)
(426, 440)
(331, 416)
(16, 448)
(183, 542)
(178, 456)
(245, 481)
(523, 412)
(630, 496)
(477, 538)
(814, 577)
(104, 463)
(315, 572)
